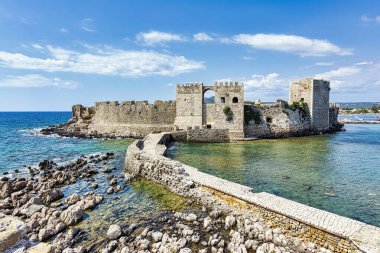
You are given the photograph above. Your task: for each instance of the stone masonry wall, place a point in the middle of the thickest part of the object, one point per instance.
(339, 234)
(208, 135)
(193, 112)
(320, 106)
(316, 94)
(137, 117)
(225, 95)
(189, 99)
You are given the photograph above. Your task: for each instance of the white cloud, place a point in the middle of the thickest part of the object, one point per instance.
(353, 79)
(152, 38)
(103, 60)
(367, 19)
(86, 24)
(202, 37)
(324, 63)
(267, 86)
(37, 46)
(266, 83)
(364, 63)
(337, 73)
(289, 43)
(63, 30)
(36, 81)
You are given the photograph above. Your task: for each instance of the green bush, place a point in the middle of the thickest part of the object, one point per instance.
(229, 113)
(251, 114)
(375, 109)
(301, 106)
(285, 111)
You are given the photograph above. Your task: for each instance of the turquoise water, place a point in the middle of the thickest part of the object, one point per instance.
(360, 117)
(338, 173)
(21, 144)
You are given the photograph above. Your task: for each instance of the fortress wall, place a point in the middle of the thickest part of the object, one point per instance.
(189, 99)
(208, 135)
(127, 118)
(333, 116)
(316, 94)
(321, 102)
(229, 91)
(146, 158)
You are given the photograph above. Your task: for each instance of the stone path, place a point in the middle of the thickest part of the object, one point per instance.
(365, 236)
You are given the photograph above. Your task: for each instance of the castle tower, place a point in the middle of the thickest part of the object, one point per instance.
(316, 94)
(193, 111)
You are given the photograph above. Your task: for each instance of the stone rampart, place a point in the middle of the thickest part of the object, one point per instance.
(146, 158)
(208, 135)
(129, 118)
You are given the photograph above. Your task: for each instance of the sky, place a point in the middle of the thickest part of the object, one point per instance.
(54, 54)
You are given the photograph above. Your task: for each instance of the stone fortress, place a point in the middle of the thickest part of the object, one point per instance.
(224, 117)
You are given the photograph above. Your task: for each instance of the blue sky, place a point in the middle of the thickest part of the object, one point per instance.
(55, 54)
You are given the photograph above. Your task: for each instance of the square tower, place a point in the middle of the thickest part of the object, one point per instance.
(316, 94)
(194, 111)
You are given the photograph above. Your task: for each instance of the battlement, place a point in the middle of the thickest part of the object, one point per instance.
(132, 102)
(199, 87)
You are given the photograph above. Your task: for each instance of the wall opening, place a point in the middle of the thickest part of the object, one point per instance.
(208, 126)
(222, 100)
(269, 120)
(235, 100)
(209, 97)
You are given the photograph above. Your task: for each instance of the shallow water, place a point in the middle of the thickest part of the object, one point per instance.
(360, 117)
(338, 173)
(21, 144)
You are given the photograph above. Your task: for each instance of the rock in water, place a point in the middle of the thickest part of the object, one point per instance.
(11, 231)
(71, 215)
(114, 232)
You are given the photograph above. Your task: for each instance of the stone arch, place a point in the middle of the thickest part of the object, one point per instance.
(208, 96)
(235, 100)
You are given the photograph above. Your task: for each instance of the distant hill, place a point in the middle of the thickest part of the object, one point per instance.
(351, 105)
(209, 100)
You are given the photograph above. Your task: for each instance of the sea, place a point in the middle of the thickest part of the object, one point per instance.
(21, 145)
(339, 172)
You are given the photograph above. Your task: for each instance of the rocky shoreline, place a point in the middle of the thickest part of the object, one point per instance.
(32, 210)
(81, 131)
(34, 217)
(368, 122)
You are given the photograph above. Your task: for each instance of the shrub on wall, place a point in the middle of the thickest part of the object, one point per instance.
(228, 112)
(251, 114)
(301, 106)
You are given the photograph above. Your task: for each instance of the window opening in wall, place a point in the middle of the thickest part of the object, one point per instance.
(235, 100)
(208, 126)
(269, 120)
(222, 100)
(209, 97)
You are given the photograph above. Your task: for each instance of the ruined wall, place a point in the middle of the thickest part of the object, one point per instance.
(275, 120)
(82, 114)
(316, 94)
(133, 118)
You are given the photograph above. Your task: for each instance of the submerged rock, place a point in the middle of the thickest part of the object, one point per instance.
(114, 232)
(72, 215)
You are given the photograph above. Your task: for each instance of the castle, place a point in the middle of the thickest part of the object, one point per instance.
(227, 116)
